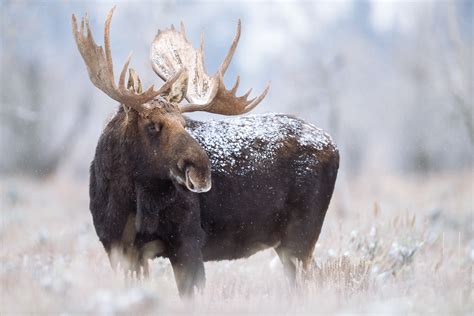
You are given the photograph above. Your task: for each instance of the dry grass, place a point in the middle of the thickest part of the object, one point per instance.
(390, 245)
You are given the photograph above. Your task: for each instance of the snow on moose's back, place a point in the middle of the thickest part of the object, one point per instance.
(255, 139)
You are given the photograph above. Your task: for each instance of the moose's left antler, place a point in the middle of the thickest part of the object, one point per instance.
(171, 52)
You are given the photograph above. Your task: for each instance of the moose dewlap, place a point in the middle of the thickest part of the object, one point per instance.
(162, 184)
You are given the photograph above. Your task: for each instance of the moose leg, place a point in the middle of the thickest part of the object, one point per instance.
(289, 263)
(188, 268)
(123, 252)
(132, 260)
(297, 246)
(149, 251)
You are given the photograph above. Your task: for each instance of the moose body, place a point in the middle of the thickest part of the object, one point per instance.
(164, 185)
(272, 176)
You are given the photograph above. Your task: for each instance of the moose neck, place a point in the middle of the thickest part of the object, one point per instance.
(129, 139)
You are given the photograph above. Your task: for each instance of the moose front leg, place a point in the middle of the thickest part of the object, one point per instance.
(188, 268)
(123, 252)
(133, 260)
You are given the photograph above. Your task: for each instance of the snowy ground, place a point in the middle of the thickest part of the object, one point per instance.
(390, 245)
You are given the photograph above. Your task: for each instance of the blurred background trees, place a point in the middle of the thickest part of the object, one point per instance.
(31, 125)
(392, 82)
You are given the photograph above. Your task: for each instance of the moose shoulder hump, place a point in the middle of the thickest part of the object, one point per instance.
(256, 139)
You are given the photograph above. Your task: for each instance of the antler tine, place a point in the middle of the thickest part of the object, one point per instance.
(121, 84)
(99, 66)
(108, 53)
(201, 47)
(182, 29)
(255, 101)
(245, 96)
(231, 51)
(236, 85)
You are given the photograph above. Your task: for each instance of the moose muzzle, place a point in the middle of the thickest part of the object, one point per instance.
(196, 181)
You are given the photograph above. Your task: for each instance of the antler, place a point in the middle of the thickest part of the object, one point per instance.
(171, 51)
(100, 68)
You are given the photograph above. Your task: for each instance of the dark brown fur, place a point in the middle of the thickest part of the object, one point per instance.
(274, 206)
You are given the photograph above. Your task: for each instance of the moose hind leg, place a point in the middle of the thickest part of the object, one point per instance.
(289, 263)
(297, 245)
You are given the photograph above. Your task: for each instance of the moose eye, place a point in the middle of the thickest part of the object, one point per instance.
(153, 128)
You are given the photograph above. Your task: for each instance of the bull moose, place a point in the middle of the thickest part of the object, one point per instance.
(162, 184)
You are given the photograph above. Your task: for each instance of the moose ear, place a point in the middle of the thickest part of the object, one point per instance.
(177, 91)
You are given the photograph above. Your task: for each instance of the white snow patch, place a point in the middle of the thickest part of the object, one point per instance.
(241, 144)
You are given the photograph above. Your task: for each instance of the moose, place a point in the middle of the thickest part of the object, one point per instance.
(164, 185)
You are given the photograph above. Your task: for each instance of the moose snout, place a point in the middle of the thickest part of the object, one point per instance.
(196, 180)
(193, 168)
(194, 174)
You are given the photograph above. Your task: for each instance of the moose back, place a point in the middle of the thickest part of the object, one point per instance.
(162, 184)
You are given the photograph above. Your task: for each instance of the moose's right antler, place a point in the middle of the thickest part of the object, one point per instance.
(172, 52)
(100, 68)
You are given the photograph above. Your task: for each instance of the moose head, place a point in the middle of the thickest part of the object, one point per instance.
(152, 119)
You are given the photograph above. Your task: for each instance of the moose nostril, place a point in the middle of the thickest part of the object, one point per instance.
(189, 182)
